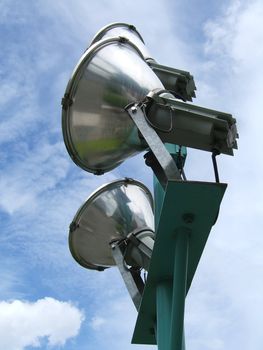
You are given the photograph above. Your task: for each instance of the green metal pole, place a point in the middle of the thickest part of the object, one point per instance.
(179, 290)
(166, 290)
(164, 293)
(183, 224)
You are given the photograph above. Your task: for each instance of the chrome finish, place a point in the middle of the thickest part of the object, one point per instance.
(97, 131)
(134, 283)
(156, 145)
(178, 81)
(111, 213)
(190, 125)
(123, 30)
(139, 248)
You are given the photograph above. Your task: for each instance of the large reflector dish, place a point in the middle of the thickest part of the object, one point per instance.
(97, 131)
(110, 213)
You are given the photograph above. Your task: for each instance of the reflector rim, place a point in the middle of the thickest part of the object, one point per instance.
(70, 90)
(110, 26)
(88, 202)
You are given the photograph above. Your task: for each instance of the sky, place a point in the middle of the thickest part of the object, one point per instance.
(47, 301)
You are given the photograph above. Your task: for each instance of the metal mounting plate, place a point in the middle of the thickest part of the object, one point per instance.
(190, 205)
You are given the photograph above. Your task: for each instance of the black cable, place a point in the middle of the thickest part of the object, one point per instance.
(214, 154)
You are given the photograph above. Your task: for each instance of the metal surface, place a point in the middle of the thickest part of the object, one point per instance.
(175, 80)
(164, 292)
(164, 297)
(179, 288)
(164, 289)
(110, 213)
(170, 299)
(123, 30)
(139, 247)
(193, 207)
(190, 125)
(114, 107)
(130, 282)
(97, 131)
(154, 142)
(178, 81)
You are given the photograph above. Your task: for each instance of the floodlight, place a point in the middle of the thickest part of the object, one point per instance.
(117, 104)
(118, 212)
(111, 79)
(97, 130)
(115, 107)
(177, 81)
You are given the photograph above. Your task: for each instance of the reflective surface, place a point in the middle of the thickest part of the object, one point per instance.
(112, 212)
(123, 30)
(98, 132)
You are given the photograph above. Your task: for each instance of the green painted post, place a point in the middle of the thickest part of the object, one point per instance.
(170, 316)
(158, 190)
(166, 311)
(183, 227)
(164, 293)
(179, 290)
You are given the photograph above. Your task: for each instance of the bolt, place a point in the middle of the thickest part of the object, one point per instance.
(123, 39)
(152, 331)
(134, 109)
(188, 218)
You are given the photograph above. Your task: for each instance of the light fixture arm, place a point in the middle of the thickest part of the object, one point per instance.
(177, 81)
(131, 255)
(164, 158)
(131, 278)
(189, 125)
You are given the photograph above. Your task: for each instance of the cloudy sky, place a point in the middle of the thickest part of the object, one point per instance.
(47, 301)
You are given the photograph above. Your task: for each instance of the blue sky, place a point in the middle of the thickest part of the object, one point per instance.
(47, 301)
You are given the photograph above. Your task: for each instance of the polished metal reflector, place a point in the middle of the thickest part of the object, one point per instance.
(111, 213)
(98, 132)
(123, 30)
(180, 83)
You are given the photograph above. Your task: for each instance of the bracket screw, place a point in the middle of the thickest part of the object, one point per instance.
(134, 109)
(188, 218)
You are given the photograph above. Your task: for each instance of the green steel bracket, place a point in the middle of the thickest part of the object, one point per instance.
(188, 211)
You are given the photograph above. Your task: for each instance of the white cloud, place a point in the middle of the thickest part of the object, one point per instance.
(11, 275)
(97, 322)
(225, 302)
(46, 165)
(160, 39)
(25, 324)
(237, 33)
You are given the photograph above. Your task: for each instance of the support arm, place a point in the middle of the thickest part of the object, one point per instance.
(132, 280)
(167, 163)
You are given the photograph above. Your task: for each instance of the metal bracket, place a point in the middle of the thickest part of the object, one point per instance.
(131, 277)
(177, 81)
(190, 125)
(164, 158)
(66, 101)
(181, 235)
(134, 239)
